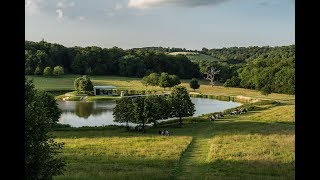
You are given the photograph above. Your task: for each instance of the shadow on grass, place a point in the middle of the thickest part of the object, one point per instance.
(97, 167)
(222, 126)
(160, 169)
(244, 169)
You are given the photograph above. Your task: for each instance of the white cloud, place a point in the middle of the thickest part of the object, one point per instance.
(61, 4)
(60, 16)
(32, 7)
(142, 4)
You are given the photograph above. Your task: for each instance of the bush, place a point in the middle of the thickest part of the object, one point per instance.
(47, 71)
(194, 84)
(233, 82)
(58, 70)
(37, 71)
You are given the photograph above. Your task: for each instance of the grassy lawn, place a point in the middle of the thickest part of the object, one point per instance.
(255, 145)
(66, 83)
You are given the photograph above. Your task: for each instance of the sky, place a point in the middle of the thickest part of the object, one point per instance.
(190, 24)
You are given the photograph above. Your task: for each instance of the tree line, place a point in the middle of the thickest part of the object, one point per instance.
(105, 61)
(144, 110)
(268, 69)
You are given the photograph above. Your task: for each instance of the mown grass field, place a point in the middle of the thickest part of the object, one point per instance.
(66, 83)
(255, 145)
(197, 57)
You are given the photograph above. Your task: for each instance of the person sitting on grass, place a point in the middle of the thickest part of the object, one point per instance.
(166, 132)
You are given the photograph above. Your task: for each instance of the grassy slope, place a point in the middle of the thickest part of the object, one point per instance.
(66, 82)
(197, 57)
(259, 144)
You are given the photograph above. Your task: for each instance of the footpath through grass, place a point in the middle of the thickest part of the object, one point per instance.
(256, 145)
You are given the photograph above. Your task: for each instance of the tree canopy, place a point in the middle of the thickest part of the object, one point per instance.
(83, 84)
(41, 114)
(181, 103)
(194, 84)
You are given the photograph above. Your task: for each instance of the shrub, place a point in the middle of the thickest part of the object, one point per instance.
(58, 70)
(47, 71)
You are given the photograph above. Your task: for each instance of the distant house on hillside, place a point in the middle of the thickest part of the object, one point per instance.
(104, 90)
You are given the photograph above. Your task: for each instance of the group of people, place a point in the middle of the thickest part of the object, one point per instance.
(239, 111)
(164, 132)
(216, 116)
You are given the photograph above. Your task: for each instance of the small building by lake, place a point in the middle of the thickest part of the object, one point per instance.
(104, 90)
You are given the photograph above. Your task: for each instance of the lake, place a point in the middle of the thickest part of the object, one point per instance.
(99, 113)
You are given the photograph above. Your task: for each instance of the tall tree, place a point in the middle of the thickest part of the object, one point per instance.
(138, 111)
(181, 103)
(211, 74)
(164, 80)
(151, 107)
(41, 151)
(123, 112)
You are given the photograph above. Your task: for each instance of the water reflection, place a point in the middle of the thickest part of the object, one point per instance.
(78, 114)
(84, 109)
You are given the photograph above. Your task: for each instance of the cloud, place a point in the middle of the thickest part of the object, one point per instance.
(61, 4)
(60, 16)
(32, 7)
(142, 4)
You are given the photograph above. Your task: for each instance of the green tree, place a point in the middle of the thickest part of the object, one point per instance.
(123, 112)
(151, 107)
(174, 80)
(41, 151)
(76, 83)
(138, 111)
(194, 84)
(232, 82)
(37, 71)
(164, 80)
(181, 103)
(47, 71)
(83, 84)
(58, 70)
(145, 81)
(153, 79)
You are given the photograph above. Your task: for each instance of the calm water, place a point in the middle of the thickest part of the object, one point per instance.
(79, 114)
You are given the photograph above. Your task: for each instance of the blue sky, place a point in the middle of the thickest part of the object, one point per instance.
(190, 24)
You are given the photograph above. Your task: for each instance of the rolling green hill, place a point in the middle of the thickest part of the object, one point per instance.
(196, 57)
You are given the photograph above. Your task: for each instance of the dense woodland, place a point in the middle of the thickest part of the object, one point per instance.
(268, 69)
